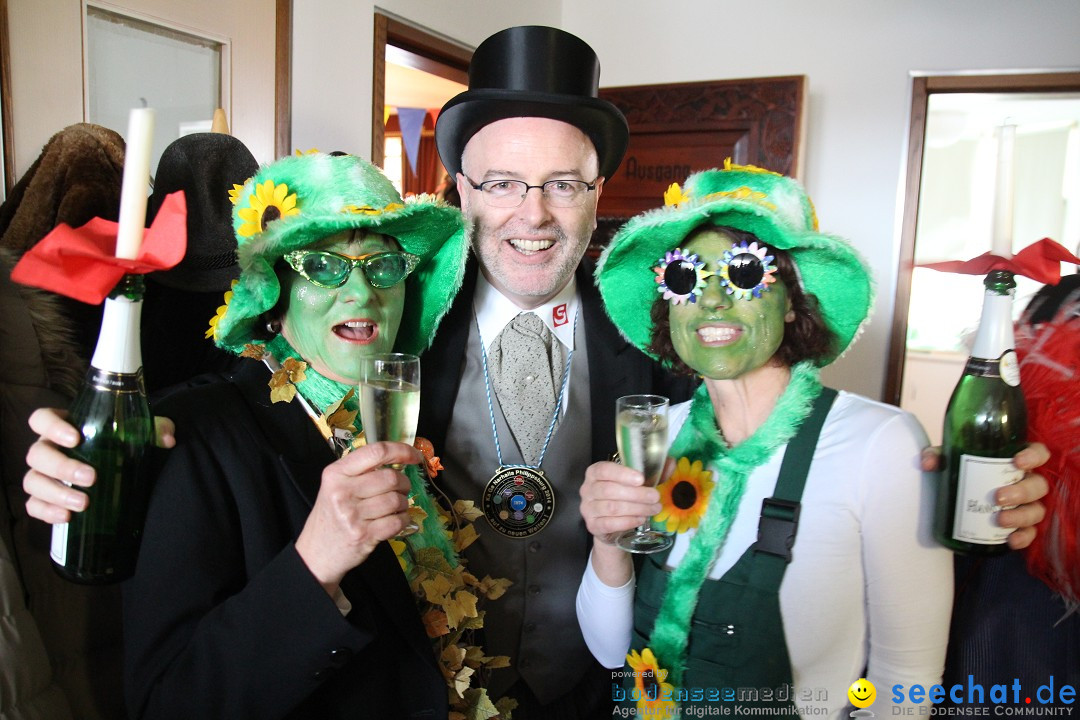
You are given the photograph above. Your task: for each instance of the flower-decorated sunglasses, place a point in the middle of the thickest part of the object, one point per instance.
(331, 270)
(745, 271)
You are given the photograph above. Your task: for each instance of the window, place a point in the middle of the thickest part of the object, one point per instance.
(135, 63)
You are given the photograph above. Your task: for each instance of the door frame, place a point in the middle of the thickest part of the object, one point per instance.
(922, 87)
(6, 138)
(425, 51)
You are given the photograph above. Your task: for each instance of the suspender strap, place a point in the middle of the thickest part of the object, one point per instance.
(780, 514)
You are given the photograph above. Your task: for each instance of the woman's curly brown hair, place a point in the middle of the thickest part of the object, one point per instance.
(807, 337)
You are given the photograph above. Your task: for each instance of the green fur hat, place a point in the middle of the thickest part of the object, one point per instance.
(299, 200)
(773, 207)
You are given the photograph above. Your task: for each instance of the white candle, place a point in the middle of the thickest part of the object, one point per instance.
(1001, 238)
(136, 183)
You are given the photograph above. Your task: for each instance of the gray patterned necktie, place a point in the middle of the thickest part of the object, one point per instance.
(526, 368)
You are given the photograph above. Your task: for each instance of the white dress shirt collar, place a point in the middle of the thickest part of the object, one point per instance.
(494, 311)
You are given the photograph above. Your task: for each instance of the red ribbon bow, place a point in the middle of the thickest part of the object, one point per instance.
(1040, 261)
(81, 263)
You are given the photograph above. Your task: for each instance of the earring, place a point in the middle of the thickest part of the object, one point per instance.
(273, 327)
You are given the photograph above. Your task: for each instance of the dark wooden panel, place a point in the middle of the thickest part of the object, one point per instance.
(680, 128)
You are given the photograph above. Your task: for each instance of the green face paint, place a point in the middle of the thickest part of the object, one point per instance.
(719, 336)
(332, 329)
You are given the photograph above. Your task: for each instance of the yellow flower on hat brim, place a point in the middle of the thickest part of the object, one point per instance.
(298, 200)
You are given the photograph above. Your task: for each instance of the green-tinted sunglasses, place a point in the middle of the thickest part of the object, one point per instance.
(331, 270)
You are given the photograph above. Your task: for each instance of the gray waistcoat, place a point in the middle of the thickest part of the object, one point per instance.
(535, 622)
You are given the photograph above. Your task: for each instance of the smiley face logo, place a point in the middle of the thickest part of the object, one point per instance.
(862, 693)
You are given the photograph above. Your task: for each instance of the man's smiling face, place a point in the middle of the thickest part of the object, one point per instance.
(529, 252)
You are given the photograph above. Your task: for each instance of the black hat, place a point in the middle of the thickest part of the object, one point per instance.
(533, 71)
(205, 166)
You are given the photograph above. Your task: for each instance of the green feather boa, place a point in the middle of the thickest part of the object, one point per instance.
(700, 439)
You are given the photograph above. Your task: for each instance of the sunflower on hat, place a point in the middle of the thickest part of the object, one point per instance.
(270, 202)
(298, 200)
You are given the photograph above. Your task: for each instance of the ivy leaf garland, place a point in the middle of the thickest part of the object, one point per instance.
(283, 381)
(450, 601)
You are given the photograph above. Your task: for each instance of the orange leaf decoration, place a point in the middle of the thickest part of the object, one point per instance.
(255, 352)
(435, 623)
(432, 465)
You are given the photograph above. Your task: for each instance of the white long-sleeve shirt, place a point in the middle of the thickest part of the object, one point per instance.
(867, 585)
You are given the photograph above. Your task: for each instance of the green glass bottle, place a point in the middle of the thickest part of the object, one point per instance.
(985, 425)
(100, 544)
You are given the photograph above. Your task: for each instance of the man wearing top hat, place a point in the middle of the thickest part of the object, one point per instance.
(530, 145)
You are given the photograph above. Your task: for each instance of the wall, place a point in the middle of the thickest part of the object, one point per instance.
(47, 57)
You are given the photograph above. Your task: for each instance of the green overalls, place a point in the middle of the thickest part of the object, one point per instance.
(736, 653)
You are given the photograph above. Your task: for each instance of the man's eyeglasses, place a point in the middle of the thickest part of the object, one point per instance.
(331, 270)
(511, 193)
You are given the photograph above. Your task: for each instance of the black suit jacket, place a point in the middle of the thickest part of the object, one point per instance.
(616, 367)
(223, 619)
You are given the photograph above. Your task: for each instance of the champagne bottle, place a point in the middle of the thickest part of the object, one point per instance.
(985, 425)
(100, 544)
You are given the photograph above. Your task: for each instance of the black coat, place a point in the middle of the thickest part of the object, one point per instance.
(223, 619)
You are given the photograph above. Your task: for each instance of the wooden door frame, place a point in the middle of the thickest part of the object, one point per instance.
(922, 87)
(5, 100)
(428, 52)
(282, 78)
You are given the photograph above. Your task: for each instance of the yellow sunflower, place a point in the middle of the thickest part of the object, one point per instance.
(729, 165)
(653, 695)
(211, 332)
(685, 496)
(674, 195)
(234, 194)
(270, 202)
(368, 210)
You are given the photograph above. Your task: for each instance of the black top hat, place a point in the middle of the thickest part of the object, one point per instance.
(533, 71)
(205, 166)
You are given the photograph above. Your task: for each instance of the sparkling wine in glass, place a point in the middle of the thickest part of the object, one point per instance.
(641, 432)
(390, 402)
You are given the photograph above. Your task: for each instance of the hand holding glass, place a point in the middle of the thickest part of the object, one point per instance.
(641, 433)
(390, 403)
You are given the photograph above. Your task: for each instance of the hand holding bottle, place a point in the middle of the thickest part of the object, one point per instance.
(1022, 500)
(53, 479)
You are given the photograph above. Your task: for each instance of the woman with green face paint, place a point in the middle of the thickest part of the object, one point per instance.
(801, 559)
(265, 587)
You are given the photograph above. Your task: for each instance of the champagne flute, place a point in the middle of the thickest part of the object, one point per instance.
(641, 426)
(390, 403)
